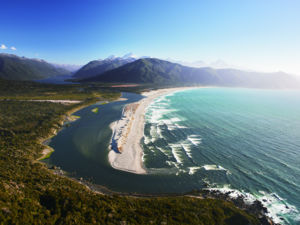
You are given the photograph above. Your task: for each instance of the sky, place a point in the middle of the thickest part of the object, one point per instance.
(262, 35)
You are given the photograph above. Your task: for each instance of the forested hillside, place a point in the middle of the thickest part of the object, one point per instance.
(13, 67)
(156, 71)
(31, 193)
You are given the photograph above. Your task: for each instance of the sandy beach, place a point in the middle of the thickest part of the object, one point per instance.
(125, 149)
(65, 102)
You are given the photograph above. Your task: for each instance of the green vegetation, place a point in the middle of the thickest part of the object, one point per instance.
(50, 151)
(27, 90)
(160, 72)
(30, 193)
(73, 117)
(13, 67)
(95, 110)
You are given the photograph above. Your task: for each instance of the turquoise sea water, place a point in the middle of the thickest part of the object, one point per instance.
(231, 139)
(248, 140)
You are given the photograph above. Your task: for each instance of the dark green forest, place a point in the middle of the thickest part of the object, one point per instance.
(31, 193)
(97, 67)
(13, 67)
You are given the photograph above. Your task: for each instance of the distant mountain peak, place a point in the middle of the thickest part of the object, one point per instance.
(97, 67)
(126, 56)
(130, 55)
(36, 59)
(111, 57)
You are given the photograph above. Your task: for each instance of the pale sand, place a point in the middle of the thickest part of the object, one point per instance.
(46, 151)
(66, 102)
(129, 131)
(121, 99)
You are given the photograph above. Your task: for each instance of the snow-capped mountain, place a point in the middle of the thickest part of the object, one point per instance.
(97, 67)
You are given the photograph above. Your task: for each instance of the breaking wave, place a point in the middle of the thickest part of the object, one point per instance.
(216, 140)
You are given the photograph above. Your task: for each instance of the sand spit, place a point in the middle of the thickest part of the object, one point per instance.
(125, 149)
(66, 102)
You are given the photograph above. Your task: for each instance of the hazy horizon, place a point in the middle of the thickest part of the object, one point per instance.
(218, 64)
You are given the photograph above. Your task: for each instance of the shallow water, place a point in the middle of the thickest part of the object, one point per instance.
(240, 139)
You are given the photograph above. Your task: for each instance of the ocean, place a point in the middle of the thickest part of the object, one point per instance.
(242, 140)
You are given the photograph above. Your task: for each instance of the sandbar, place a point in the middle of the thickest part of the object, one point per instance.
(125, 149)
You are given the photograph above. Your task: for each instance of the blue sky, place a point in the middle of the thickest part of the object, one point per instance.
(261, 35)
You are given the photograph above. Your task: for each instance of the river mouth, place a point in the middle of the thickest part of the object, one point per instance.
(81, 150)
(200, 152)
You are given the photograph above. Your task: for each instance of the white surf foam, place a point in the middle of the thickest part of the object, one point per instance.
(143, 157)
(175, 119)
(213, 167)
(171, 127)
(176, 152)
(146, 140)
(153, 133)
(180, 126)
(195, 139)
(165, 152)
(171, 163)
(187, 149)
(193, 169)
(277, 207)
(159, 132)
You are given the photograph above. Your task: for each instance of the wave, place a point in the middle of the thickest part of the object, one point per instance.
(146, 140)
(176, 152)
(159, 132)
(171, 127)
(278, 209)
(171, 163)
(177, 123)
(165, 152)
(195, 139)
(193, 170)
(188, 150)
(213, 167)
(153, 133)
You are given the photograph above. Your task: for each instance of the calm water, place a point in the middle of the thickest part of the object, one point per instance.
(230, 139)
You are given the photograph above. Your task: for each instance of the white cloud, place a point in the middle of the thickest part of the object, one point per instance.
(3, 46)
(13, 48)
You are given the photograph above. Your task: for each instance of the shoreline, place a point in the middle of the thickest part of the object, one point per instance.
(255, 208)
(68, 117)
(125, 149)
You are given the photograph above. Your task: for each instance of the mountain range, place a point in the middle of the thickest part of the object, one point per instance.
(13, 67)
(156, 71)
(130, 69)
(97, 67)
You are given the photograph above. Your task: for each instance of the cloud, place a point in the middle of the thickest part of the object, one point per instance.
(13, 48)
(3, 46)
